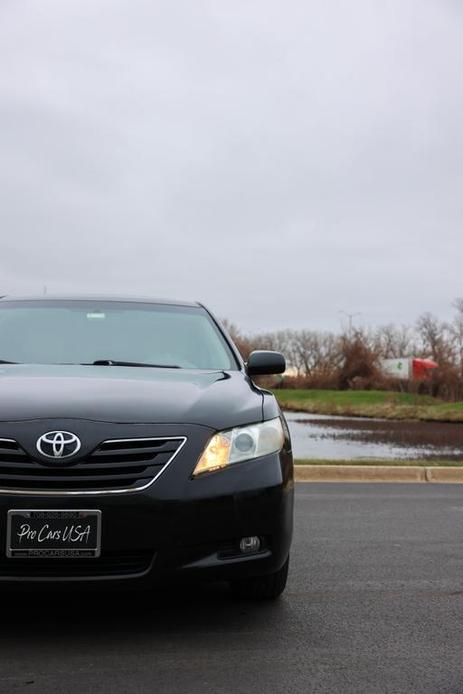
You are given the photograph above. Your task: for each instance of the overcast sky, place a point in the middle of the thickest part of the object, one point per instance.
(280, 161)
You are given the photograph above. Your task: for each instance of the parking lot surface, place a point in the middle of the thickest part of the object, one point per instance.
(374, 604)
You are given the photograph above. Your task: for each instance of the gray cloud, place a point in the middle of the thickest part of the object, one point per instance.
(280, 161)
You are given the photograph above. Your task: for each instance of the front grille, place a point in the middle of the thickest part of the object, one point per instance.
(117, 464)
(111, 564)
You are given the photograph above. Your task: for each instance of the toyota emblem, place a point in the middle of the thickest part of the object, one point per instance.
(58, 444)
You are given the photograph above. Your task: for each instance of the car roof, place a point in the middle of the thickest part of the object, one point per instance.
(100, 297)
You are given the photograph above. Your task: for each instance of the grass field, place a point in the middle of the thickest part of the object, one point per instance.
(370, 403)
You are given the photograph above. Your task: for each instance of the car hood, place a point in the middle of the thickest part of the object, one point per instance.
(216, 399)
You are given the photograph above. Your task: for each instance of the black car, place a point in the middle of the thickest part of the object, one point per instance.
(135, 448)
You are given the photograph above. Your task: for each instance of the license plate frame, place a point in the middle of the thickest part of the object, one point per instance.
(71, 547)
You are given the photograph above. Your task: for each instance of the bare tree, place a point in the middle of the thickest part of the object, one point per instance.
(313, 352)
(456, 330)
(393, 342)
(434, 337)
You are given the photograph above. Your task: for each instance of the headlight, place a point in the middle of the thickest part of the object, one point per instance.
(241, 443)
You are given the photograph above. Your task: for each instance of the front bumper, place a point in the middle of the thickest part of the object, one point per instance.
(177, 527)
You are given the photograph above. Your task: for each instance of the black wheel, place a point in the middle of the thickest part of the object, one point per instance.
(267, 587)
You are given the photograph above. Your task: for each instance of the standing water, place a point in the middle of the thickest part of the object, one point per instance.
(327, 437)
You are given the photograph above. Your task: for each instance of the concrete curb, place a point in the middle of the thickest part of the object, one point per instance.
(444, 474)
(377, 473)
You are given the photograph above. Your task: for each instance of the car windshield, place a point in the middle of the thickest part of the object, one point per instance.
(108, 332)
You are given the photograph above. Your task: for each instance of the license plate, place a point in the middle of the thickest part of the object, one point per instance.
(53, 534)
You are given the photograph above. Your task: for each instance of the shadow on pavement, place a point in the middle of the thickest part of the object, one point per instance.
(105, 613)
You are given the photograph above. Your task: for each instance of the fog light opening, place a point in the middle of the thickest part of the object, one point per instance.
(249, 545)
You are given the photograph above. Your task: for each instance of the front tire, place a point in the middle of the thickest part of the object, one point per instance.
(268, 587)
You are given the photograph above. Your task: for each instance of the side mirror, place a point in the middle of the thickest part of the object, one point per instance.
(264, 363)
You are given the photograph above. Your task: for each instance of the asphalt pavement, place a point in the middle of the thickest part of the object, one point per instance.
(374, 604)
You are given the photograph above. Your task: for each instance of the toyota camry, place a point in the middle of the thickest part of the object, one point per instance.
(135, 447)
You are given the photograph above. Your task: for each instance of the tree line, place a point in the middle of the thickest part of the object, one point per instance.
(352, 358)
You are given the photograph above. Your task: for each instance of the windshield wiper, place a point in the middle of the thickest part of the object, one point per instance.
(114, 362)
(4, 361)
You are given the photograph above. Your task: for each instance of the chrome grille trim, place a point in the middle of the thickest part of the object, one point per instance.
(100, 492)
